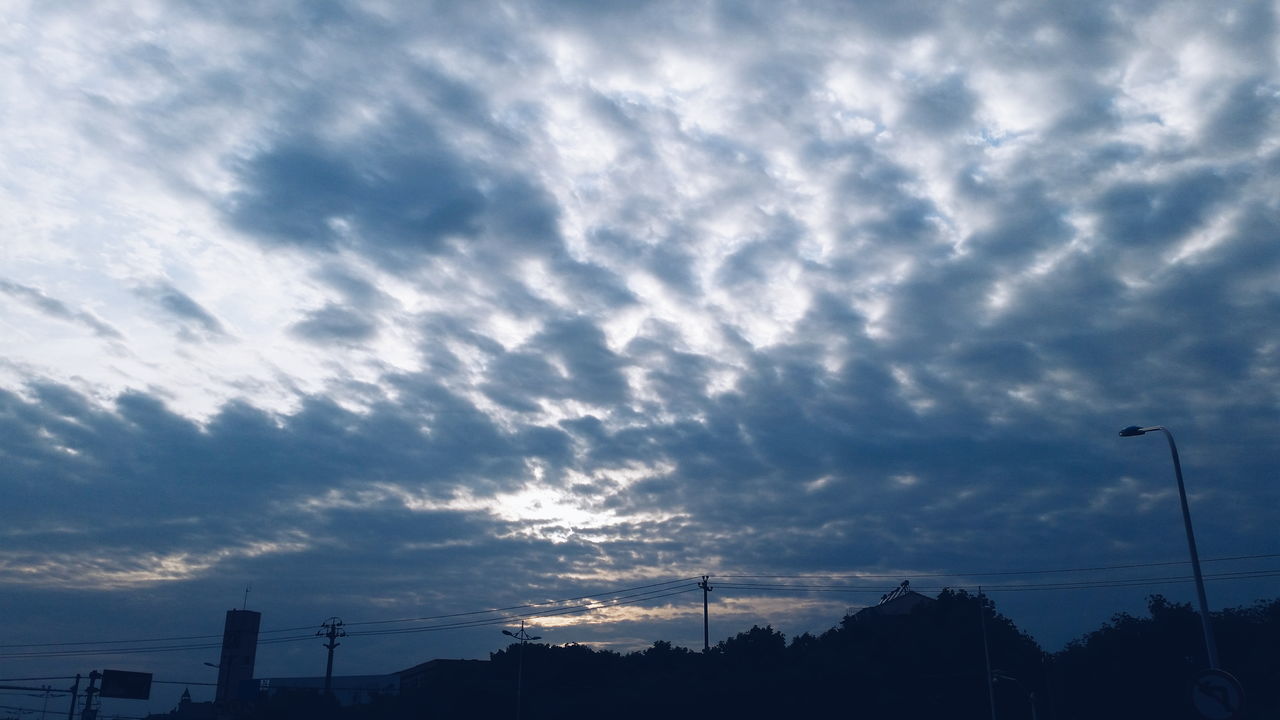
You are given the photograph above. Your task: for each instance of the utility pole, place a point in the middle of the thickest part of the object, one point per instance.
(331, 629)
(986, 654)
(89, 713)
(706, 623)
(75, 692)
(523, 637)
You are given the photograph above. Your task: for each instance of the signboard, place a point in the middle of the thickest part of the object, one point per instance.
(1217, 695)
(126, 685)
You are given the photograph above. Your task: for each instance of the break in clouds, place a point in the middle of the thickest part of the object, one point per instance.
(539, 296)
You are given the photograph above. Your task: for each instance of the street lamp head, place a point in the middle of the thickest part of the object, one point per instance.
(1134, 430)
(508, 632)
(535, 637)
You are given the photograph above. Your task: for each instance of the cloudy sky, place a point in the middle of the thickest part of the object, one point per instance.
(396, 309)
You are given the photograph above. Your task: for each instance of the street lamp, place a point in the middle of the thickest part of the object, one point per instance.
(998, 675)
(1210, 647)
(523, 637)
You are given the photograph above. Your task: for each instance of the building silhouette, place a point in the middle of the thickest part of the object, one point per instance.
(239, 650)
(902, 600)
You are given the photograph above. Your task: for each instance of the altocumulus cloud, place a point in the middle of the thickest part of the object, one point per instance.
(512, 303)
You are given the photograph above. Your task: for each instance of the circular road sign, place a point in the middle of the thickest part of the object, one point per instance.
(1217, 695)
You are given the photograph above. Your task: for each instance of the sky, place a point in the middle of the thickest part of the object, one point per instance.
(389, 310)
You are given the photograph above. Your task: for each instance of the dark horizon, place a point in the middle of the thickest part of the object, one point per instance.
(897, 639)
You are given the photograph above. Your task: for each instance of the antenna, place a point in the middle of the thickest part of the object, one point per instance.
(247, 588)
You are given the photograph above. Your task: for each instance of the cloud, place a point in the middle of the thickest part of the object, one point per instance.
(411, 199)
(336, 324)
(941, 106)
(1245, 116)
(1142, 213)
(57, 309)
(193, 319)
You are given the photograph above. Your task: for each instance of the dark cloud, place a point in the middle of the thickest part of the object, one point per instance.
(58, 309)
(1094, 109)
(334, 323)
(568, 359)
(358, 290)
(941, 106)
(668, 259)
(896, 215)
(755, 261)
(1146, 213)
(394, 202)
(593, 288)
(245, 473)
(894, 19)
(1028, 221)
(194, 320)
(1245, 116)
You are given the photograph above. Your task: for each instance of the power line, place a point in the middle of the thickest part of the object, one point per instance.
(520, 607)
(1071, 585)
(130, 651)
(628, 595)
(1136, 582)
(990, 573)
(482, 622)
(310, 627)
(478, 622)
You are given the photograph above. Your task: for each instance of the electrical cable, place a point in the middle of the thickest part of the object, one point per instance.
(650, 591)
(479, 622)
(518, 607)
(365, 622)
(908, 576)
(482, 622)
(1070, 585)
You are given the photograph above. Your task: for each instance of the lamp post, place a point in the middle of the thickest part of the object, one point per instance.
(1210, 647)
(523, 637)
(997, 675)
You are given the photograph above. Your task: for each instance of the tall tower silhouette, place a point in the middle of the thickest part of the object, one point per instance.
(239, 648)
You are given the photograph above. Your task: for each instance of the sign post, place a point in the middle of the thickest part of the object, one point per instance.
(1217, 695)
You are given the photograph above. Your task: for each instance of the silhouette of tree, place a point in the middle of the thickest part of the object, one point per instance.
(1144, 667)
(925, 663)
(760, 648)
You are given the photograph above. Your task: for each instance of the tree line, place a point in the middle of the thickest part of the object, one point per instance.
(929, 663)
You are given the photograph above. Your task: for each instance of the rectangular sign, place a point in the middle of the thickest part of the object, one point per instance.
(126, 685)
